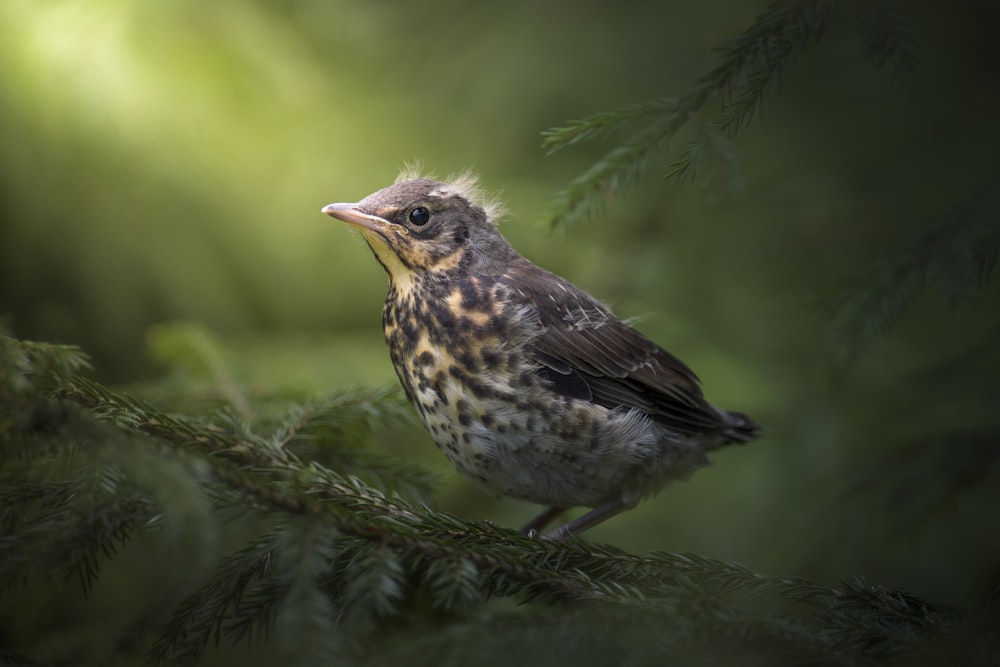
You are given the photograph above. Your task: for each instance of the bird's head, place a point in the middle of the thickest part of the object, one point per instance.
(418, 226)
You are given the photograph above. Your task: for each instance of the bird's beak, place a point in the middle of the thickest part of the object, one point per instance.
(352, 213)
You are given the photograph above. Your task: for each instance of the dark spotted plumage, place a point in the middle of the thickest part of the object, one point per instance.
(531, 387)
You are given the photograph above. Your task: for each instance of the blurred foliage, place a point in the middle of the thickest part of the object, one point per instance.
(832, 274)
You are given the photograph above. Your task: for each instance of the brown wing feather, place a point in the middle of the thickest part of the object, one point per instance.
(585, 352)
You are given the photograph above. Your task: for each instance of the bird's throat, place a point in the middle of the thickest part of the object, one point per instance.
(399, 273)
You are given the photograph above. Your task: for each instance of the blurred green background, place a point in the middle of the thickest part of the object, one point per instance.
(167, 161)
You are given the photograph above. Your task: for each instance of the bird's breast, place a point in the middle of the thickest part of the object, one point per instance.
(457, 348)
(452, 337)
(461, 350)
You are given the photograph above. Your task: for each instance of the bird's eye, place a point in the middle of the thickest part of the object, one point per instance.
(419, 216)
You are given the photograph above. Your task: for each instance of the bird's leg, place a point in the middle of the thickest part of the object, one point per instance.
(545, 518)
(595, 516)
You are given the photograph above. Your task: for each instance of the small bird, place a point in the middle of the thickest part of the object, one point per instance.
(531, 387)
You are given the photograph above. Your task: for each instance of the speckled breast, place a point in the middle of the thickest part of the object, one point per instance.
(459, 349)
(454, 351)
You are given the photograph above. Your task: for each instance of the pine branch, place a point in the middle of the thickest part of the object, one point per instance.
(99, 537)
(26, 369)
(375, 580)
(736, 86)
(347, 556)
(327, 430)
(535, 570)
(23, 360)
(68, 525)
(455, 584)
(619, 167)
(759, 56)
(888, 34)
(73, 544)
(720, 103)
(879, 623)
(278, 480)
(253, 619)
(236, 442)
(712, 154)
(198, 621)
(308, 629)
(603, 123)
(955, 251)
(24, 499)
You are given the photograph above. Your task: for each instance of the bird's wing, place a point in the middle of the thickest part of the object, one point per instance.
(585, 352)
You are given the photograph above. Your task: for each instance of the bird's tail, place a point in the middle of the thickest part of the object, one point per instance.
(737, 428)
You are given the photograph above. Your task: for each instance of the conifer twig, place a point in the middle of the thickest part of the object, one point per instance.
(735, 88)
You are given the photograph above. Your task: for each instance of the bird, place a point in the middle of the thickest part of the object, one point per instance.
(531, 387)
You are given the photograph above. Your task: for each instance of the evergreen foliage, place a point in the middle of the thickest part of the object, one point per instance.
(720, 102)
(955, 251)
(713, 109)
(339, 560)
